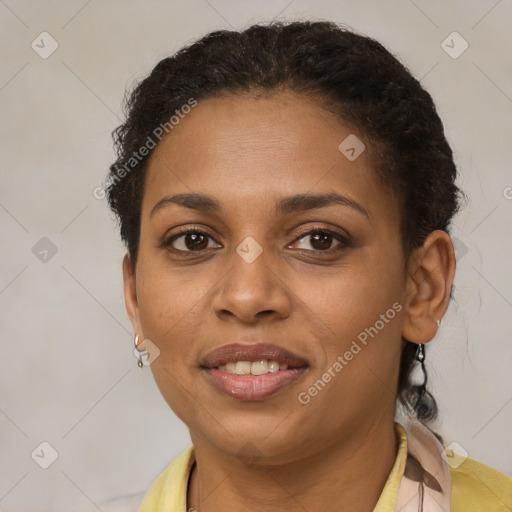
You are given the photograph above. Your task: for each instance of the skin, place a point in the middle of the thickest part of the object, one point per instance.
(300, 294)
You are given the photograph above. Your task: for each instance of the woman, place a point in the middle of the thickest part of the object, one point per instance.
(284, 194)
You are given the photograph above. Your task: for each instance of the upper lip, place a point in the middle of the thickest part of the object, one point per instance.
(251, 352)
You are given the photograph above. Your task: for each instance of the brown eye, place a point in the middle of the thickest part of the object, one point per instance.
(322, 240)
(189, 241)
(194, 241)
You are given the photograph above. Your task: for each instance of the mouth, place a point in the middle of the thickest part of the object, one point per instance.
(252, 372)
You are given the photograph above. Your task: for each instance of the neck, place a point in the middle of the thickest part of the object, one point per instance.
(351, 472)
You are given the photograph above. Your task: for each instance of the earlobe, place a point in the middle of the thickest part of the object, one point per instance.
(130, 294)
(429, 283)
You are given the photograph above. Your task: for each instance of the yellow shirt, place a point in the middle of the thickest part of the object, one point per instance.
(475, 486)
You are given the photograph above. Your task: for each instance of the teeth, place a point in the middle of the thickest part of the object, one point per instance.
(273, 366)
(243, 367)
(259, 367)
(253, 368)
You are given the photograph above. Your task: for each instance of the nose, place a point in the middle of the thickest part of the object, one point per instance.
(252, 291)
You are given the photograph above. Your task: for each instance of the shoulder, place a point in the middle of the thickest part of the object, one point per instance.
(169, 491)
(477, 487)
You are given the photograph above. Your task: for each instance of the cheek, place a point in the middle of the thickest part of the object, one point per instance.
(355, 297)
(171, 317)
(361, 354)
(361, 306)
(171, 312)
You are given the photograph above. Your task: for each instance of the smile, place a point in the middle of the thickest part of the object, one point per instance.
(252, 372)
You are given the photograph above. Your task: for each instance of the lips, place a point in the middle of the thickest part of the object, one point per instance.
(252, 386)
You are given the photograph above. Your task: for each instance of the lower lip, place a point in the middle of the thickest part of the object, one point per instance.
(253, 387)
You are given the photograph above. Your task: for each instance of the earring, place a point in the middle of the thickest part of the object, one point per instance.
(420, 356)
(438, 323)
(140, 364)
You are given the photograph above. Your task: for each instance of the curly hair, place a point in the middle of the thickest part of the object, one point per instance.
(347, 73)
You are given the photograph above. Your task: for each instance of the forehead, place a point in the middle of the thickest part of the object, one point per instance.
(246, 149)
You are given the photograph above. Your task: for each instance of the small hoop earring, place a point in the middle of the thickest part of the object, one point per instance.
(140, 364)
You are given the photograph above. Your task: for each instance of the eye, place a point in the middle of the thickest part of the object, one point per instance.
(190, 240)
(196, 240)
(321, 240)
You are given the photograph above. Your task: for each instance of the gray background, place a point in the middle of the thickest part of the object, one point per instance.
(67, 372)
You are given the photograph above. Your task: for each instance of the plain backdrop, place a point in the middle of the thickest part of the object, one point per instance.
(68, 376)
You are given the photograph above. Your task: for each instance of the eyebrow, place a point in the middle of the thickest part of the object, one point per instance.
(287, 205)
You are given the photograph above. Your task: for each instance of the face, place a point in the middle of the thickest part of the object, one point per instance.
(250, 265)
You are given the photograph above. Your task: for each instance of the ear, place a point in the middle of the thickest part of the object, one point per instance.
(130, 298)
(428, 288)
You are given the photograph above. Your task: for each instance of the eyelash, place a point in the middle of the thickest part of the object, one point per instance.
(344, 240)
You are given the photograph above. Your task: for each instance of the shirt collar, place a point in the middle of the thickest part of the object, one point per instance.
(420, 476)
